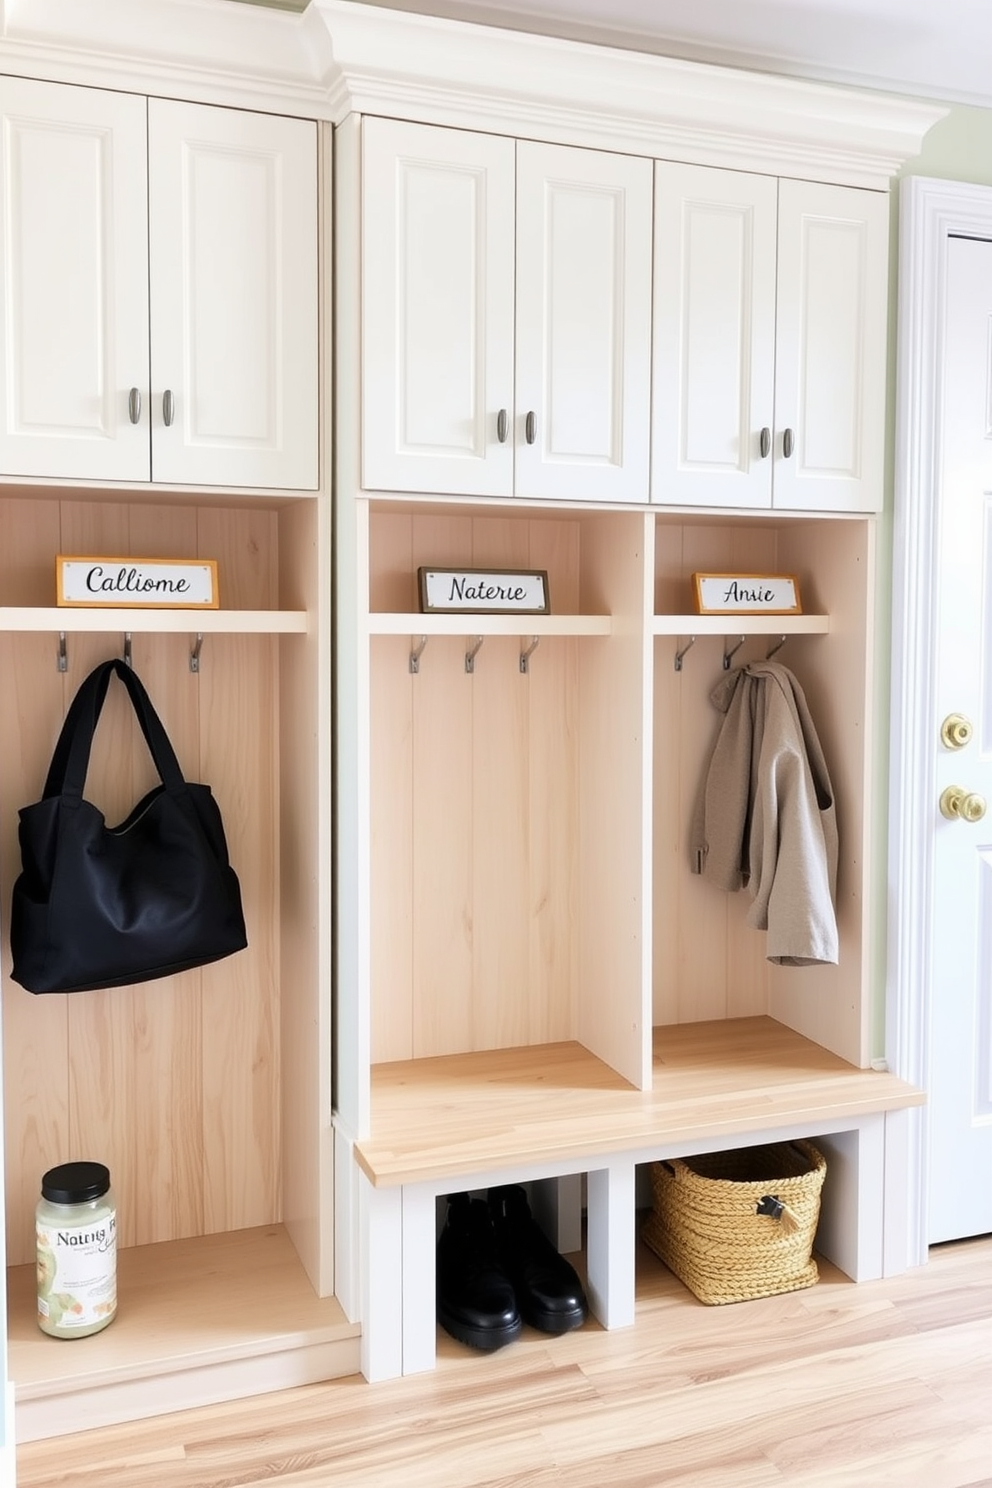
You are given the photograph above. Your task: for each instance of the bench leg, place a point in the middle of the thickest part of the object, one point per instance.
(610, 1243)
(381, 1212)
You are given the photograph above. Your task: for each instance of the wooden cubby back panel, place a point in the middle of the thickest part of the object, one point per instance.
(474, 813)
(173, 1083)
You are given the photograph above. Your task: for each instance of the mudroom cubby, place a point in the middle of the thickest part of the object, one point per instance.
(506, 905)
(707, 962)
(206, 1093)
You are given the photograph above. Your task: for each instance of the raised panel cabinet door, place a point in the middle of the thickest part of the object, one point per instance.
(233, 274)
(583, 318)
(74, 307)
(830, 348)
(714, 337)
(437, 310)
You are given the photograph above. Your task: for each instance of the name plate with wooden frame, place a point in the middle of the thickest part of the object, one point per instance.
(129, 583)
(746, 594)
(483, 591)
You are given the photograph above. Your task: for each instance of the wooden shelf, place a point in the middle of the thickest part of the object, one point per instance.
(470, 1113)
(212, 1318)
(390, 623)
(730, 625)
(205, 622)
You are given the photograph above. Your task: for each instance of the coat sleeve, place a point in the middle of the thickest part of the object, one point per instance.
(793, 838)
(718, 842)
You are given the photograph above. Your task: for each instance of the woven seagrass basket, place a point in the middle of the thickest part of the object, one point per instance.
(736, 1225)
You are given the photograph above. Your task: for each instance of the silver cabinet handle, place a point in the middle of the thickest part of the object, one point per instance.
(530, 427)
(134, 405)
(502, 426)
(168, 407)
(788, 443)
(765, 443)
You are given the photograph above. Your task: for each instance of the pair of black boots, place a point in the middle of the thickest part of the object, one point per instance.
(496, 1270)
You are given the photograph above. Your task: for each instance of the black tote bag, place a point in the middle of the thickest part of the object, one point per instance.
(98, 906)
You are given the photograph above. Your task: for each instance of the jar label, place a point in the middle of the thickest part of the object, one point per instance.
(77, 1273)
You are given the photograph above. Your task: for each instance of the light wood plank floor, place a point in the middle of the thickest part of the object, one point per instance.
(886, 1383)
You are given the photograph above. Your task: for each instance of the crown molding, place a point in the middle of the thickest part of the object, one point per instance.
(209, 51)
(481, 77)
(340, 57)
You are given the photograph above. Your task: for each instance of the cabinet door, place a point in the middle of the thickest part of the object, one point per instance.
(583, 316)
(831, 347)
(714, 336)
(437, 310)
(74, 307)
(233, 272)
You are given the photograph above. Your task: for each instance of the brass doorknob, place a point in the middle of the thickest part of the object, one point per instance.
(961, 805)
(956, 731)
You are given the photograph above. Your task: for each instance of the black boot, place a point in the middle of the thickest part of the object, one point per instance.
(548, 1290)
(475, 1298)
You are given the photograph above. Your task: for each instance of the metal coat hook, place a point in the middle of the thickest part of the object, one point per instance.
(127, 649)
(728, 656)
(63, 656)
(194, 655)
(473, 652)
(679, 654)
(777, 647)
(416, 653)
(525, 656)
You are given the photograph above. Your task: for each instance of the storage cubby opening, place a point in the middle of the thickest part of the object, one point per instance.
(201, 1092)
(501, 799)
(708, 964)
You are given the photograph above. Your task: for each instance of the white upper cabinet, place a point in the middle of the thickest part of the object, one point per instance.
(437, 309)
(74, 308)
(769, 342)
(830, 347)
(122, 214)
(506, 316)
(233, 270)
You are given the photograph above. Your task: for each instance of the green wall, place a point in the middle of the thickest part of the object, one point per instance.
(959, 148)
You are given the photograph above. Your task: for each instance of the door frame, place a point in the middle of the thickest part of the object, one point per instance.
(931, 212)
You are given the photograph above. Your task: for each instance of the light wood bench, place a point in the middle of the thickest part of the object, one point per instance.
(556, 1112)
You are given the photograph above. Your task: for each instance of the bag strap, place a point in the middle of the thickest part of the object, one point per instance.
(70, 760)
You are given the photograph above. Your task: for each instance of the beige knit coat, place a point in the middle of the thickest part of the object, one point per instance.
(766, 816)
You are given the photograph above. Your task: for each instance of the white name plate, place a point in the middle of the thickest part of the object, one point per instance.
(483, 591)
(747, 594)
(119, 583)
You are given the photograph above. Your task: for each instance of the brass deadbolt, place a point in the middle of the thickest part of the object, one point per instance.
(956, 731)
(961, 805)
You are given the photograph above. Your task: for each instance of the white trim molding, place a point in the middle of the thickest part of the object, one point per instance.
(340, 57)
(931, 212)
(481, 77)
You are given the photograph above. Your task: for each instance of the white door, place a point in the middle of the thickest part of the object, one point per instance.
(583, 324)
(960, 1094)
(233, 272)
(437, 309)
(714, 336)
(74, 301)
(829, 428)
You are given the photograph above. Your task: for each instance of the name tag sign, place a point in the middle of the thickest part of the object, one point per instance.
(128, 583)
(747, 594)
(483, 591)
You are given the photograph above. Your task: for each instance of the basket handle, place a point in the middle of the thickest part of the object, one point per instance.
(775, 1209)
